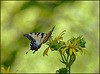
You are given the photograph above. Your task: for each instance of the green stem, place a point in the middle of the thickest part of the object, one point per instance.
(69, 64)
(67, 56)
(62, 57)
(67, 59)
(69, 69)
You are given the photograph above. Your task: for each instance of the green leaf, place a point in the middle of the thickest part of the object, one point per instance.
(62, 70)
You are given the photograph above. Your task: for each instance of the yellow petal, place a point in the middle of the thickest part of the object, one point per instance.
(67, 44)
(61, 38)
(74, 52)
(46, 51)
(8, 69)
(62, 33)
(82, 48)
(62, 42)
(71, 45)
(58, 38)
(64, 50)
(76, 41)
(3, 70)
(60, 47)
(79, 50)
(51, 48)
(69, 40)
(70, 51)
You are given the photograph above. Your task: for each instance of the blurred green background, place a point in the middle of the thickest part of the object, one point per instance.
(21, 17)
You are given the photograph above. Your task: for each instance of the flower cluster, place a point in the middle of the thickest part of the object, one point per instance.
(72, 46)
(68, 50)
(54, 44)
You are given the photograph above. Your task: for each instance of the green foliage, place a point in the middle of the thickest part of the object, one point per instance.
(21, 17)
(31, 3)
(62, 70)
(81, 42)
(72, 46)
(55, 45)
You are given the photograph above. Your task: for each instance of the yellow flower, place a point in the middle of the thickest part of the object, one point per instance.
(72, 47)
(46, 51)
(60, 36)
(52, 42)
(6, 71)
